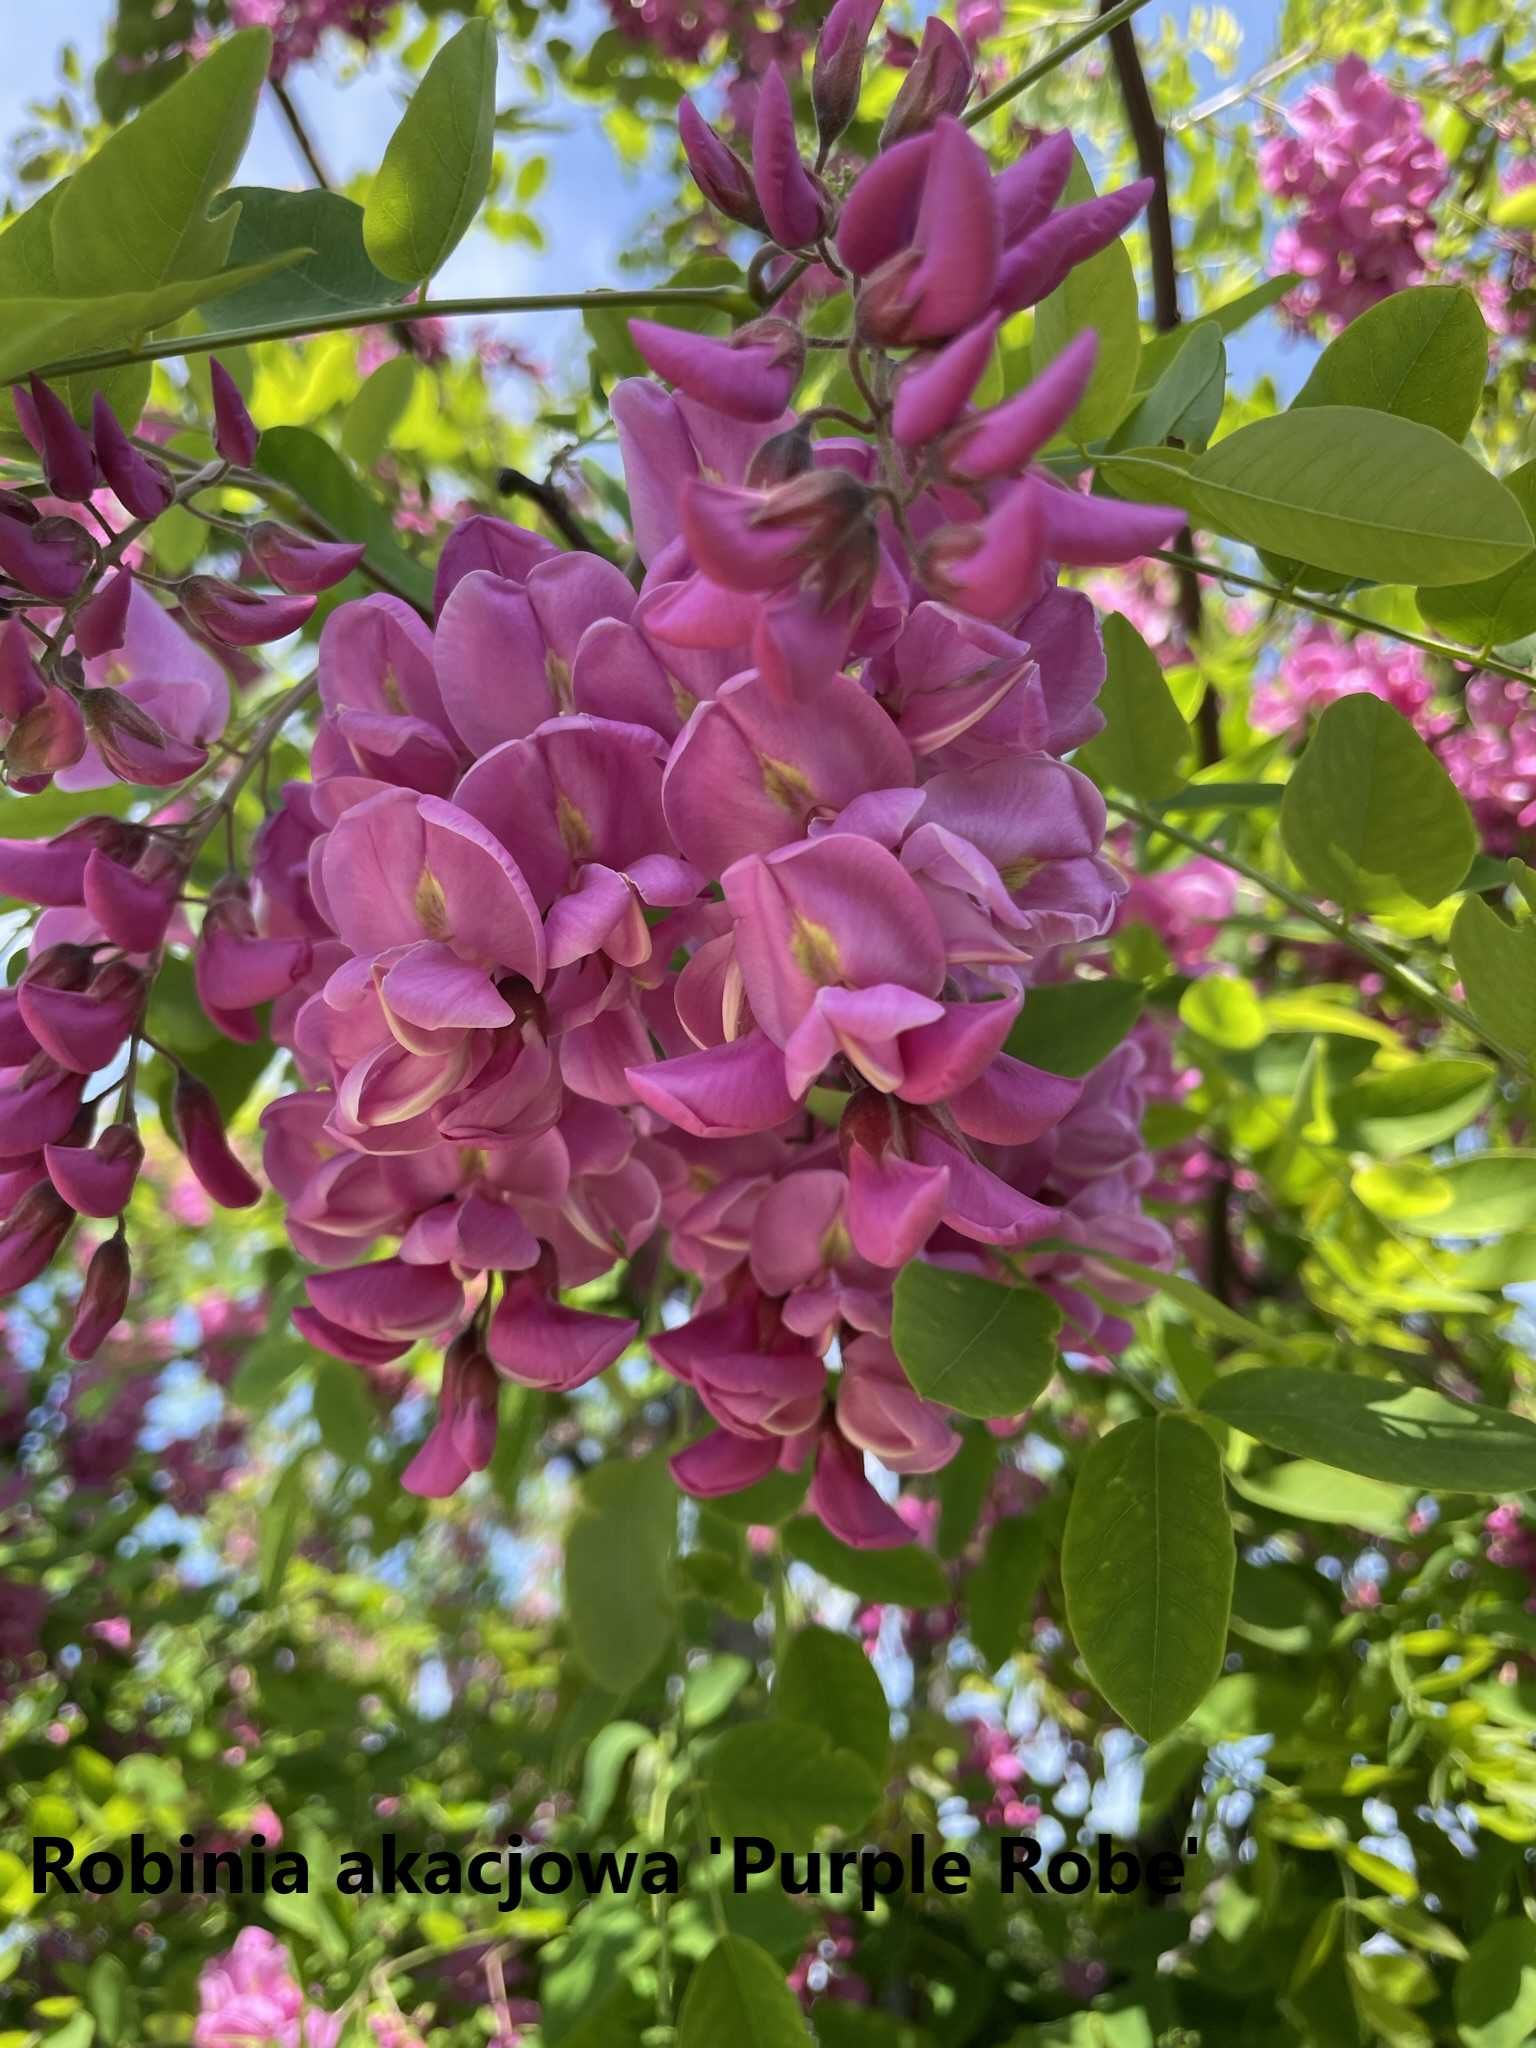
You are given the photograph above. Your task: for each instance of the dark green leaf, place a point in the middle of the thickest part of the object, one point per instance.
(1000, 1593)
(1145, 735)
(1421, 354)
(785, 1779)
(903, 1577)
(337, 276)
(1502, 609)
(1408, 1436)
(1497, 965)
(977, 1346)
(1370, 817)
(617, 1583)
(738, 1996)
(438, 162)
(1147, 1567)
(1068, 1027)
(829, 1683)
(316, 473)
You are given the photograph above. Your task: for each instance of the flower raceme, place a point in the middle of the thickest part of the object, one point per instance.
(705, 906)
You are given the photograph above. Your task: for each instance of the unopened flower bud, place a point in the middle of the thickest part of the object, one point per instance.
(751, 375)
(233, 617)
(136, 747)
(838, 69)
(717, 170)
(781, 458)
(62, 444)
(235, 433)
(793, 204)
(22, 688)
(47, 557)
(296, 563)
(102, 1299)
(939, 82)
(96, 1180)
(200, 1129)
(140, 484)
(101, 625)
(49, 737)
(37, 1227)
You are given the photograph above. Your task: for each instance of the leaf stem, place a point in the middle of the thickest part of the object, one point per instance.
(1336, 927)
(1090, 33)
(1324, 610)
(725, 296)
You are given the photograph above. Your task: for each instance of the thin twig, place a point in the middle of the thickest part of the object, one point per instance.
(1049, 62)
(512, 483)
(300, 133)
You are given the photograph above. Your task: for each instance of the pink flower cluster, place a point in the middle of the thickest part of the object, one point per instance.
(1357, 161)
(1512, 1543)
(1489, 753)
(250, 1998)
(299, 26)
(712, 905)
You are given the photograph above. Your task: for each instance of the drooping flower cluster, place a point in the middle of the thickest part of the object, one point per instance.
(713, 905)
(250, 1998)
(1357, 161)
(298, 27)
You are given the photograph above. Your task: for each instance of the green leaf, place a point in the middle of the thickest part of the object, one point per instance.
(1199, 1306)
(977, 1346)
(135, 215)
(903, 1577)
(1417, 1106)
(55, 330)
(1147, 1565)
(106, 1990)
(1225, 1010)
(1480, 1195)
(1495, 1989)
(1497, 965)
(785, 1779)
(438, 163)
(738, 1995)
(280, 1523)
(1370, 816)
(1407, 1436)
(1100, 294)
(1001, 1591)
(1421, 354)
(377, 409)
(1413, 1925)
(1363, 493)
(1145, 735)
(829, 1683)
(608, 1752)
(1501, 609)
(338, 275)
(343, 1410)
(312, 468)
(1184, 402)
(1068, 1027)
(1307, 1491)
(617, 1580)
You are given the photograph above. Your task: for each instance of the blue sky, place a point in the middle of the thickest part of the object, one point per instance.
(591, 207)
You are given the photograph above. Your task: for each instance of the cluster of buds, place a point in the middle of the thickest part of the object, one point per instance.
(712, 907)
(100, 682)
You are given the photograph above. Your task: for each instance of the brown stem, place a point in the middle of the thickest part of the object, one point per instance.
(300, 133)
(513, 484)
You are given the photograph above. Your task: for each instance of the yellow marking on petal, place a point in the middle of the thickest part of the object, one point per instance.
(394, 696)
(837, 1245)
(559, 674)
(786, 785)
(814, 951)
(1016, 876)
(431, 905)
(575, 832)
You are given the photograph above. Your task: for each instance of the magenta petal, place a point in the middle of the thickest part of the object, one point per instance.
(894, 1205)
(133, 912)
(1027, 191)
(723, 1463)
(958, 235)
(941, 1057)
(791, 204)
(484, 542)
(1033, 267)
(541, 1343)
(727, 1092)
(1013, 1103)
(388, 1299)
(842, 1498)
(431, 987)
(933, 390)
(330, 1337)
(438, 1468)
(751, 376)
(96, 1180)
(991, 569)
(490, 659)
(1002, 442)
(1083, 532)
(46, 871)
(39, 1111)
(717, 170)
(880, 212)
